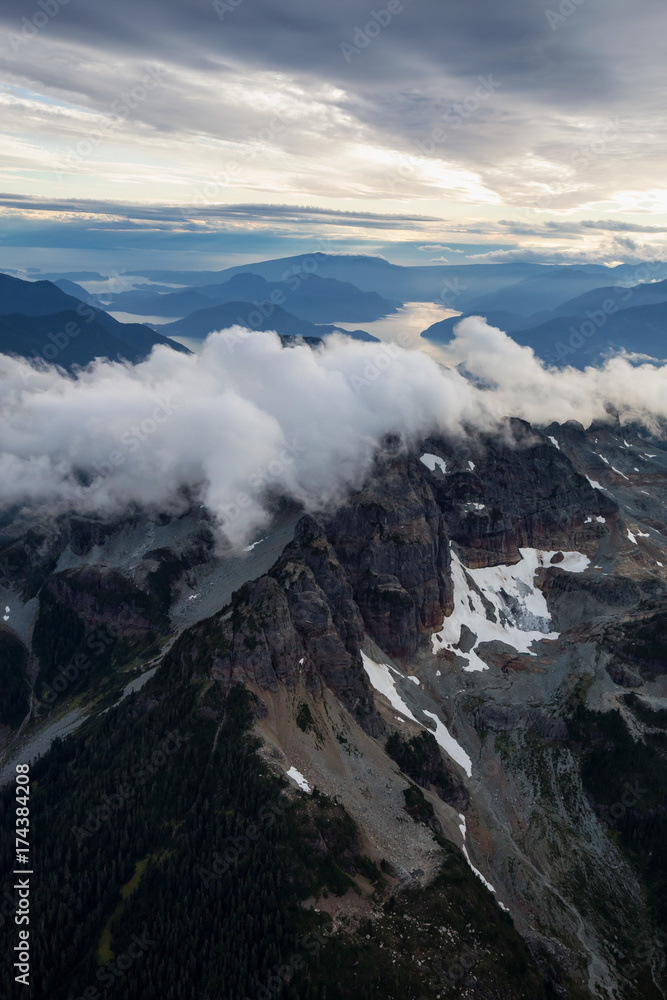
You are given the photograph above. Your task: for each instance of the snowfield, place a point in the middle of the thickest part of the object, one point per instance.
(380, 677)
(501, 603)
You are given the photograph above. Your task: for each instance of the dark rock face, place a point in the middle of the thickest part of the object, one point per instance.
(422, 760)
(531, 493)
(257, 642)
(27, 562)
(378, 566)
(621, 675)
(314, 548)
(285, 627)
(392, 541)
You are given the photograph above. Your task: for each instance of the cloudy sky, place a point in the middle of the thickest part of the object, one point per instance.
(424, 130)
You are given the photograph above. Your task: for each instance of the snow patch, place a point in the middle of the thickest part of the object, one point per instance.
(462, 828)
(501, 603)
(431, 461)
(299, 779)
(449, 744)
(471, 466)
(594, 483)
(632, 537)
(379, 674)
(380, 677)
(554, 442)
(249, 548)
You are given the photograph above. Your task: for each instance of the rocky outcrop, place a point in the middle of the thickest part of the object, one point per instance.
(312, 546)
(392, 542)
(517, 491)
(285, 628)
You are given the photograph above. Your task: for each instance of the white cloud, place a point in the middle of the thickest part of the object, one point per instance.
(247, 416)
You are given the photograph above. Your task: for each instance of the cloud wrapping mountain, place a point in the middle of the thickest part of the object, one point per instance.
(247, 417)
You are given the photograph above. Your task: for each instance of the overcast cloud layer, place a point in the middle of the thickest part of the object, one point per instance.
(496, 118)
(246, 417)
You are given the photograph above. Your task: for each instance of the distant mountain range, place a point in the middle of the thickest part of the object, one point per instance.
(580, 331)
(573, 314)
(46, 320)
(458, 285)
(199, 324)
(38, 319)
(422, 283)
(539, 292)
(310, 297)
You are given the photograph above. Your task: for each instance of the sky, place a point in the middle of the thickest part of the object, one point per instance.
(199, 133)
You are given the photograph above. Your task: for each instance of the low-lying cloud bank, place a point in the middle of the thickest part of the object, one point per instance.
(247, 415)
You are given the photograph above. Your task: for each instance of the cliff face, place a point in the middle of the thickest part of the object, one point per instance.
(519, 492)
(392, 542)
(380, 565)
(300, 624)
